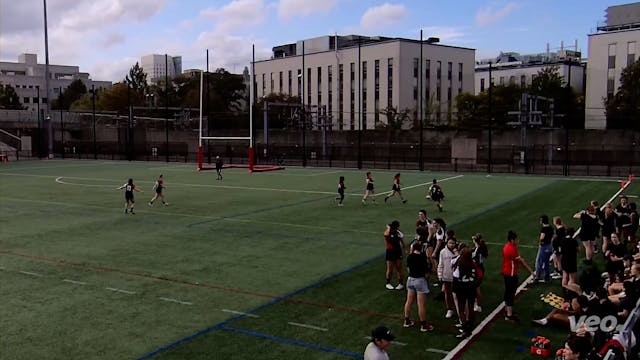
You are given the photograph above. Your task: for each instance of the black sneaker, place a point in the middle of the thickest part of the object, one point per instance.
(385, 199)
(404, 201)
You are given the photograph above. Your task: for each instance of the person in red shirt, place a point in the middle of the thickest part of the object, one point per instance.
(158, 187)
(511, 261)
(395, 189)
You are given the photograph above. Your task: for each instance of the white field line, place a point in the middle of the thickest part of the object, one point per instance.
(394, 342)
(1, 267)
(307, 326)
(60, 181)
(437, 351)
(240, 313)
(423, 184)
(500, 307)
(202, 217)
(30, 273)
(175, 301)
(74, 282)
(121, 291)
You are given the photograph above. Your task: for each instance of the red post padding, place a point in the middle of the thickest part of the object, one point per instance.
(199, 158)
(250, 159)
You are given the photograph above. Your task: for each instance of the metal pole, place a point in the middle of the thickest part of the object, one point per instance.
(93, 106)
(567, 117)
(251, 94)
(38, 142)
(421, 116)
(46, 79)
(489, 160)
(208, 111)
(359, 106)
(128, 133)
(304, 115)
(166, 105)
(62, 131)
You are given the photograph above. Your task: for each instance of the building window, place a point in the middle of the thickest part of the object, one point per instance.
(45, 100)
(631, 52)
(290, 82)
(427, 87)
(482, 85)
(460, 73)
(340, 97)
(280, 83)
(35, 100)
(264, 85)
(449, 71)
(364, 95)
(352, 102)
(25, 100)
(330, 94)
(271, 83)
(438, 81)
(319, 82)
(512, 80)
(501, 80)
(376, 91)
(308, 86)
(389, 82)
(523, 81)
(300, 84)
(611, 63)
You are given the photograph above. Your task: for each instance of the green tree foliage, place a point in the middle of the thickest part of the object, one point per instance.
(9, 99)
(137, 79)
(227, 91)
(280, 117)
(473, 110)
(72, 93)
(623, 109)
(395, 119)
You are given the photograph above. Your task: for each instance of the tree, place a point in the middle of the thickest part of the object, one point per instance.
(9, 99)
(280, 117)
(137, 79)
(473, 110)
(623, 108)
(396, 120)
(73, 92)
(547, 82)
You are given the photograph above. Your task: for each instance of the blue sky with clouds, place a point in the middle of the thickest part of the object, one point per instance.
(106, 37)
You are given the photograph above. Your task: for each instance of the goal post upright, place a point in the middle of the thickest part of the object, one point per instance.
(251, 71)
(200, 126)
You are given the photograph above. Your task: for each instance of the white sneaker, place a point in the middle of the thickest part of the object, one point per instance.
(399, 287)
(477, 308)
(449, 314)
(389, 286)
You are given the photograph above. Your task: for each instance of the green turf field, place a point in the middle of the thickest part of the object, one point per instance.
(261, 265)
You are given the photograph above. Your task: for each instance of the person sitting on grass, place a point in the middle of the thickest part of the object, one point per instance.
(575, 305)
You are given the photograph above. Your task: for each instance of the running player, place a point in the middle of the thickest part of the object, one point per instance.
(395, 189)
(159, 187)
(369, 189)
(436, 194)
(129, 187)
(341, 188)
(219, 167)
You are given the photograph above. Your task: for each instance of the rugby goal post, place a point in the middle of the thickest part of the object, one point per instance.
(251, 166)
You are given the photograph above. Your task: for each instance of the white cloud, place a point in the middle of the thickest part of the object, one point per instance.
(489, 15)
(384, 15)
(288, 9)
(446, 34)
(237, 14)
(230, 52)
(113, 69)
(112, 39)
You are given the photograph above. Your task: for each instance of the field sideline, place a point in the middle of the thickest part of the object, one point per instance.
(253, 264)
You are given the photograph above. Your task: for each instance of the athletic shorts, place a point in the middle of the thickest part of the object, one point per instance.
(395, 187)
(128, 196)
(420, 285)
(159, 190)
(393, 255)
(369, 187)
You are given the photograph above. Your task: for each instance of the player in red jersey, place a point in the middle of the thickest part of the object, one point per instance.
(369, 189)
(395, 189)
(159, 187)
(341, 188)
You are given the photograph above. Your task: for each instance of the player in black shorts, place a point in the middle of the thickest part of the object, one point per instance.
(219, 167)
(159, 187)
(369, 189)
(395, 249)
(395, 189)
(129, 187)
(436, 194)
(341, 188)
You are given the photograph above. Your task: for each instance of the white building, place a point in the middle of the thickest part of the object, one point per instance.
(515, 69)
(353, 75)
(611, 49)
(158, 66)
(27, 77)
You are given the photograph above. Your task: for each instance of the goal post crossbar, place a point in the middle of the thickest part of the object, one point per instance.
(226, 138)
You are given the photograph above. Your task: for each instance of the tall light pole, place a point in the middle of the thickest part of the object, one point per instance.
(490, 118)
(359, 104)
(39, 143)
(46, 80)
(304, 116)
(166, 105)
(93, 111)
(421, 116)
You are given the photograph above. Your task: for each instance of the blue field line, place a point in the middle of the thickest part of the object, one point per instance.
(269, 303)
(257, 211)
(293, 342)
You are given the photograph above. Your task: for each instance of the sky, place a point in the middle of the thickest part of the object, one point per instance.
(107, 37)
